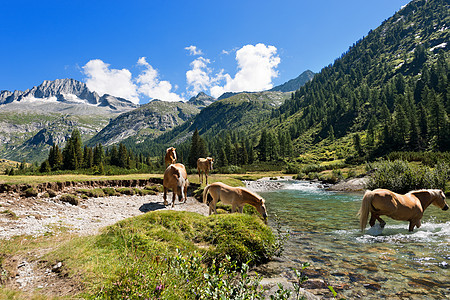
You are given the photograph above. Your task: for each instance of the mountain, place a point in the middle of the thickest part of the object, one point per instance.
(32, 120)
(296, 83)
(240, 112)
(64, 91)
(390, 90)
(148, 121)
(201, 100)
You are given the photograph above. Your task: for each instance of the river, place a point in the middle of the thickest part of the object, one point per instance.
(379, 264)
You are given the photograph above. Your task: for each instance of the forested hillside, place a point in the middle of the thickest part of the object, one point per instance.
(390, 89)
(388, 92)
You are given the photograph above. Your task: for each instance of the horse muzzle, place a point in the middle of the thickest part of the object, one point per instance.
(445, 207)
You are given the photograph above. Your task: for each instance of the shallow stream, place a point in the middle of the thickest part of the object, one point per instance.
(379, 264)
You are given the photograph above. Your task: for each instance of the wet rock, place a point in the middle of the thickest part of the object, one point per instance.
(422, 282)
(370, 267)
(354, 277)
(372, 286)
(315, 284)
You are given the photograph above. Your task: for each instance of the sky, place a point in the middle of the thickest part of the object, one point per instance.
(172, 50)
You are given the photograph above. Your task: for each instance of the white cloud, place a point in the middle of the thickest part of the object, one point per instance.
(256, 68)
(198, 78)
(150, 85)
(103, 80)
(193, 50)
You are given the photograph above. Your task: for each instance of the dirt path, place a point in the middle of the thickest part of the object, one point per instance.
(37, 216)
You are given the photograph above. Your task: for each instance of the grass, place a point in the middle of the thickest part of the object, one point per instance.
(159, 255)
(35, 179)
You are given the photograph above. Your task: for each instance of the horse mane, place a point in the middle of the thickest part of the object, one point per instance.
(431, 191)
(258, 199)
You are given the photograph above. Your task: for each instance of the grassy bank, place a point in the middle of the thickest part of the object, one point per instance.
(157, 255)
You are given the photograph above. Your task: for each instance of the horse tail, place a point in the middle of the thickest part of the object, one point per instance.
(364, 210)
(205, 193)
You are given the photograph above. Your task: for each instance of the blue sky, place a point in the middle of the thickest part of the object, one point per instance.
(171, 50)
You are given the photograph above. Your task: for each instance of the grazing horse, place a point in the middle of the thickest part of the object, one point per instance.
(236, 196)
(204, 165)
(175, 178)
(408, 207)
(171, 156)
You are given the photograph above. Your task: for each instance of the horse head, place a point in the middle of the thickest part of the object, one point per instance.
(210, 161)
(439, 199)
(262, 210)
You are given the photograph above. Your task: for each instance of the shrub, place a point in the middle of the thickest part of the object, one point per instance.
(232, 170)
(401, 177)
(69, 198)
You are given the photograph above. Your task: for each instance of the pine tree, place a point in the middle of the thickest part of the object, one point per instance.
(197, 150)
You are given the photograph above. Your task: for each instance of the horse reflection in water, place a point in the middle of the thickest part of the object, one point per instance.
(237, 197)
(408, 207)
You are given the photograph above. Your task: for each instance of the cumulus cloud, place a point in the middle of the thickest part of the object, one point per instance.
(256, 68)
(103, 80)
(120, 83)
(193, 50)
(150, 85)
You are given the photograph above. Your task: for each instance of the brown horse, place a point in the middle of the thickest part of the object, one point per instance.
(175, 178)
(171, 156)
(408, 207)
(204, 165)
(236, 196)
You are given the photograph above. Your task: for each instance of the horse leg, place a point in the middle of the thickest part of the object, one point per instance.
(165, 196)
(199, 177)
(415, 223)
(382, 223)
(173, 198)
(185, 193)
(241, 209)
(373, 217)
(206, 176)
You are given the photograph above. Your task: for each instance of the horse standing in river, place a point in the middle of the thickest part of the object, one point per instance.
(204, 165)
(175, 178)
(171, 156)
(237, 197)
(408, 207)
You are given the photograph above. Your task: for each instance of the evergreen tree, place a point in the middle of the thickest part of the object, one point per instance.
(197, 150)
(45, 167)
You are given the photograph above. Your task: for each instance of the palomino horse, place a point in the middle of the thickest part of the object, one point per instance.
(236, 196)
(408, 207)
(204, 165)
(175, 178)
(171, 156)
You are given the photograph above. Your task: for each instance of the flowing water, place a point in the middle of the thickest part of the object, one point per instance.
(379, 264)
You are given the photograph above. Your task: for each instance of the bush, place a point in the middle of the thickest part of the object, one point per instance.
(232, 170)
(69, 198)
(401, 177)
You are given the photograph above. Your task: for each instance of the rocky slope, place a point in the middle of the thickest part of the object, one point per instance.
(150, 120)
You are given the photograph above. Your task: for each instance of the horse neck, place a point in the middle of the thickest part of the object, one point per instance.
(248, 198)
(425, 198)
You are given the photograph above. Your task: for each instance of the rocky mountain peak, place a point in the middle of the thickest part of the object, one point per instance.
(202, 100)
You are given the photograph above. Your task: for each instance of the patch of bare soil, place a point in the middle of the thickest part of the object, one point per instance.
(38, 216)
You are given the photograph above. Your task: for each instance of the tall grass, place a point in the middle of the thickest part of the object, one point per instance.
(401, 176)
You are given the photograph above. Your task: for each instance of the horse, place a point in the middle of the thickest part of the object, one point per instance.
(204, 165)
(236, 196)
(408, 207)
(171, 156)
(175, 178)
